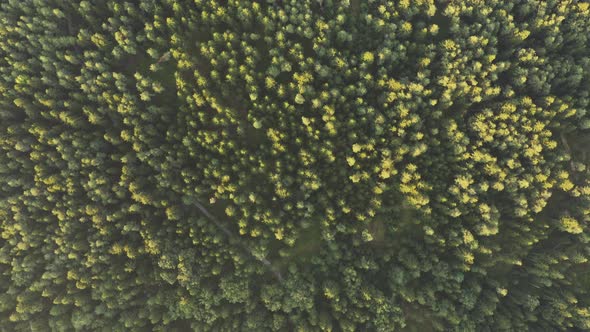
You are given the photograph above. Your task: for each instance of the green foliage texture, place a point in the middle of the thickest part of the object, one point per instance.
(294, 165)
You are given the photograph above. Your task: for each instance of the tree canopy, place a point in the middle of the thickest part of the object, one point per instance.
(294, 165)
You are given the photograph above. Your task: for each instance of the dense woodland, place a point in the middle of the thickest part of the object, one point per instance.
(293, 165)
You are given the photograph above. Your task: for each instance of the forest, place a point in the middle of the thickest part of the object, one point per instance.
(295, 165)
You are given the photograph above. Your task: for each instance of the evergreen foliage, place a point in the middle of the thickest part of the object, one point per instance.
(294, 165)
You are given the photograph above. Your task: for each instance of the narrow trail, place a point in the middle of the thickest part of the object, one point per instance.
(224, 229)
